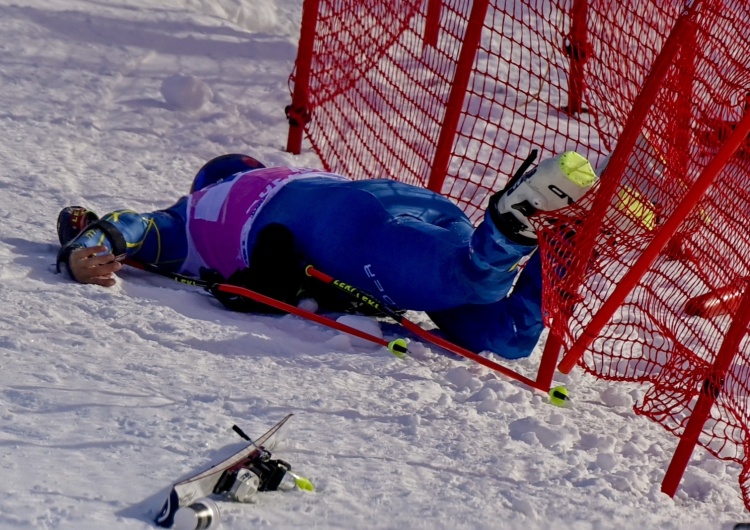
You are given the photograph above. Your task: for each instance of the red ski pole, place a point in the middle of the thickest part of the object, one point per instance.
(397, 347)
(394, 313)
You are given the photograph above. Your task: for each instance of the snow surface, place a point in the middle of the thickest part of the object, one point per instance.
(107, 396)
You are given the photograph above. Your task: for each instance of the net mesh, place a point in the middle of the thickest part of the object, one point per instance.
(391, 94)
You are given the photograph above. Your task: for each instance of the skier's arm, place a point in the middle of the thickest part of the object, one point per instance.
(157, 237)
(91, 256)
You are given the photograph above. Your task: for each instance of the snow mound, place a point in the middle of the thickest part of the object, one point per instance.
(185, 92)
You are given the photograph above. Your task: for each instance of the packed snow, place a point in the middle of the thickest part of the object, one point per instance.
(108, 396)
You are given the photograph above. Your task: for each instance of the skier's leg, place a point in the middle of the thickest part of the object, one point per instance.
(509, 327)
(406, 245)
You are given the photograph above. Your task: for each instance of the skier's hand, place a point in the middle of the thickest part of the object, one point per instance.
(91, 265)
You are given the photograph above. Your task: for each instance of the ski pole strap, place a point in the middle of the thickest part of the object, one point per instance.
(525, 165)
(150, 267)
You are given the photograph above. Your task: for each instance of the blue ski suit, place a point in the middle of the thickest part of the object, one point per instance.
(407, 246)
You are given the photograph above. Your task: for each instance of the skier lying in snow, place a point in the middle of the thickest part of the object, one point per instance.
(410, 247)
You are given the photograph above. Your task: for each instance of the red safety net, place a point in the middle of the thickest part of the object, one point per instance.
(453, 95)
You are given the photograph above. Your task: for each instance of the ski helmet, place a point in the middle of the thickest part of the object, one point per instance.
(221, 167)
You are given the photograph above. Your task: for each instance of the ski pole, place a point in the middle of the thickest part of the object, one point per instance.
(395, 314)
(397, 347)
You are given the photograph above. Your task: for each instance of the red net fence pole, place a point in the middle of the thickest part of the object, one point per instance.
(710, 391)
(464, 69)
(297, 111)
(577, 49)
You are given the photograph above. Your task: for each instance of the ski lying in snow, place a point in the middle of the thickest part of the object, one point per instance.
(238, 477)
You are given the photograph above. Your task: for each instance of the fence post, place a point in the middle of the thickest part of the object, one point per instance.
(617, 164)
(432, 23)
(299, 107)
(709, 392)
(548, 363)
(577, 51)
(464, 68)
